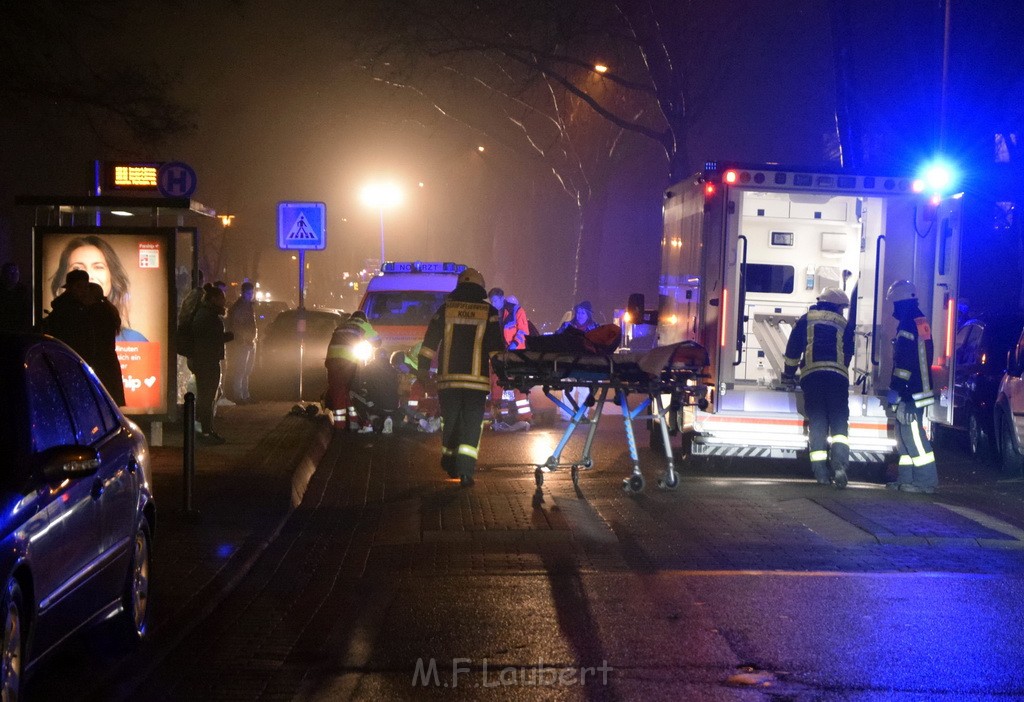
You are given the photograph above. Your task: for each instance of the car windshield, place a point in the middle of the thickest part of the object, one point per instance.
(402, 307)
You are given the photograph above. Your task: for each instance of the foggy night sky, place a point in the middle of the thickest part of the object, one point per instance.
(284, 115)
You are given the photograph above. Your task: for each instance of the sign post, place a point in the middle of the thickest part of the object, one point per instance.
(302, 227)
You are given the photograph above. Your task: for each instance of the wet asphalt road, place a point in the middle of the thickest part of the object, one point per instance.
(748, 582)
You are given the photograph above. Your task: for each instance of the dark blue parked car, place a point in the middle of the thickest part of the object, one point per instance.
(982, 344)
(76, 506)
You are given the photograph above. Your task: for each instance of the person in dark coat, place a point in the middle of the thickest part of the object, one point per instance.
(582, 318)
(15, 300)
(241, 321)
(87, 322)
(379, 388)
(209, 339)
(104, 323)
(67, 320)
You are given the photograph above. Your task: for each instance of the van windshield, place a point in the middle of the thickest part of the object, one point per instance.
(402, 307)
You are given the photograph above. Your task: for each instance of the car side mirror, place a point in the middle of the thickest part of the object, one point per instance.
(69, 462)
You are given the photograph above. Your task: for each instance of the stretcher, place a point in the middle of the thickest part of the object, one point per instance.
(677, 372)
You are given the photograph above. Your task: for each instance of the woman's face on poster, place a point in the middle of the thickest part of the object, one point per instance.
(91, 260)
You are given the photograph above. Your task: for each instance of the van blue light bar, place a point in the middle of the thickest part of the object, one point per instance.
(422, 267)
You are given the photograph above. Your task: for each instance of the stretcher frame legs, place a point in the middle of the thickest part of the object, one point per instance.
(579, 414)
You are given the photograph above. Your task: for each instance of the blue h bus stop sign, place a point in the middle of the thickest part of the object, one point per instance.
(302, 226)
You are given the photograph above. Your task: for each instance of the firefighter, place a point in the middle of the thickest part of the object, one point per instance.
(825, 342)
(463, 335)
(515, 328)
(910, 390)
(342, 362)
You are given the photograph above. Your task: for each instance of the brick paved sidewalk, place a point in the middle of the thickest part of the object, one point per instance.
(244, 490)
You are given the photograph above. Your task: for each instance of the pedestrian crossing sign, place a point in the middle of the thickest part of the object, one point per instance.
(301, 225)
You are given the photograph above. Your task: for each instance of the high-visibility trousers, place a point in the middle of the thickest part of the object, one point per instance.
(462, 416)
(827, 408)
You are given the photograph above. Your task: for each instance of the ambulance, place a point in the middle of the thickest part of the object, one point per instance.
(747, 249)
(402, 298)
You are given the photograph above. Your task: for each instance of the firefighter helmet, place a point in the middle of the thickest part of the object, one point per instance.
(471, 275)
(901, 290)
(834, 296)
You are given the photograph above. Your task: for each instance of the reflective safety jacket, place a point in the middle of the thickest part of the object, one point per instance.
(463, 335)
(412, 357)
(823, 339)
(369, 333)
(912, 357)
(514, 326)
(343, 342)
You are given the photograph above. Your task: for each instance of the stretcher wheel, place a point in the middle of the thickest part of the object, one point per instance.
(551, 463)
(538, 476)
(575, 476)
(587, 463)
(670, 481)
(634, 483)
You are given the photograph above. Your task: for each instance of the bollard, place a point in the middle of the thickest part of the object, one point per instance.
(189, 452)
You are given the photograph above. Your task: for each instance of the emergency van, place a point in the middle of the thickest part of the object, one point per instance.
(746, 250)
(402, 298)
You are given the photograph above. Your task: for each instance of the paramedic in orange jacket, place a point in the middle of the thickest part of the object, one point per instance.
(515, 328)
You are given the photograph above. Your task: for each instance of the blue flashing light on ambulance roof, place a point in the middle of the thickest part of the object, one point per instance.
(422, 267)
(936, 177)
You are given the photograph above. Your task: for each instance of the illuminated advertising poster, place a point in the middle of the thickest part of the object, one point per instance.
(134, 269)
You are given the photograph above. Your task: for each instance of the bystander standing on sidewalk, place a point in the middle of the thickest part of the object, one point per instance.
(241, 354)
(104, 323)
(205, 362)
(15, 300)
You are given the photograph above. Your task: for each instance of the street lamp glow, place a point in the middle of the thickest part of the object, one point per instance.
(382, 195)
(480, 148)
(226, 220)
(600, 68)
